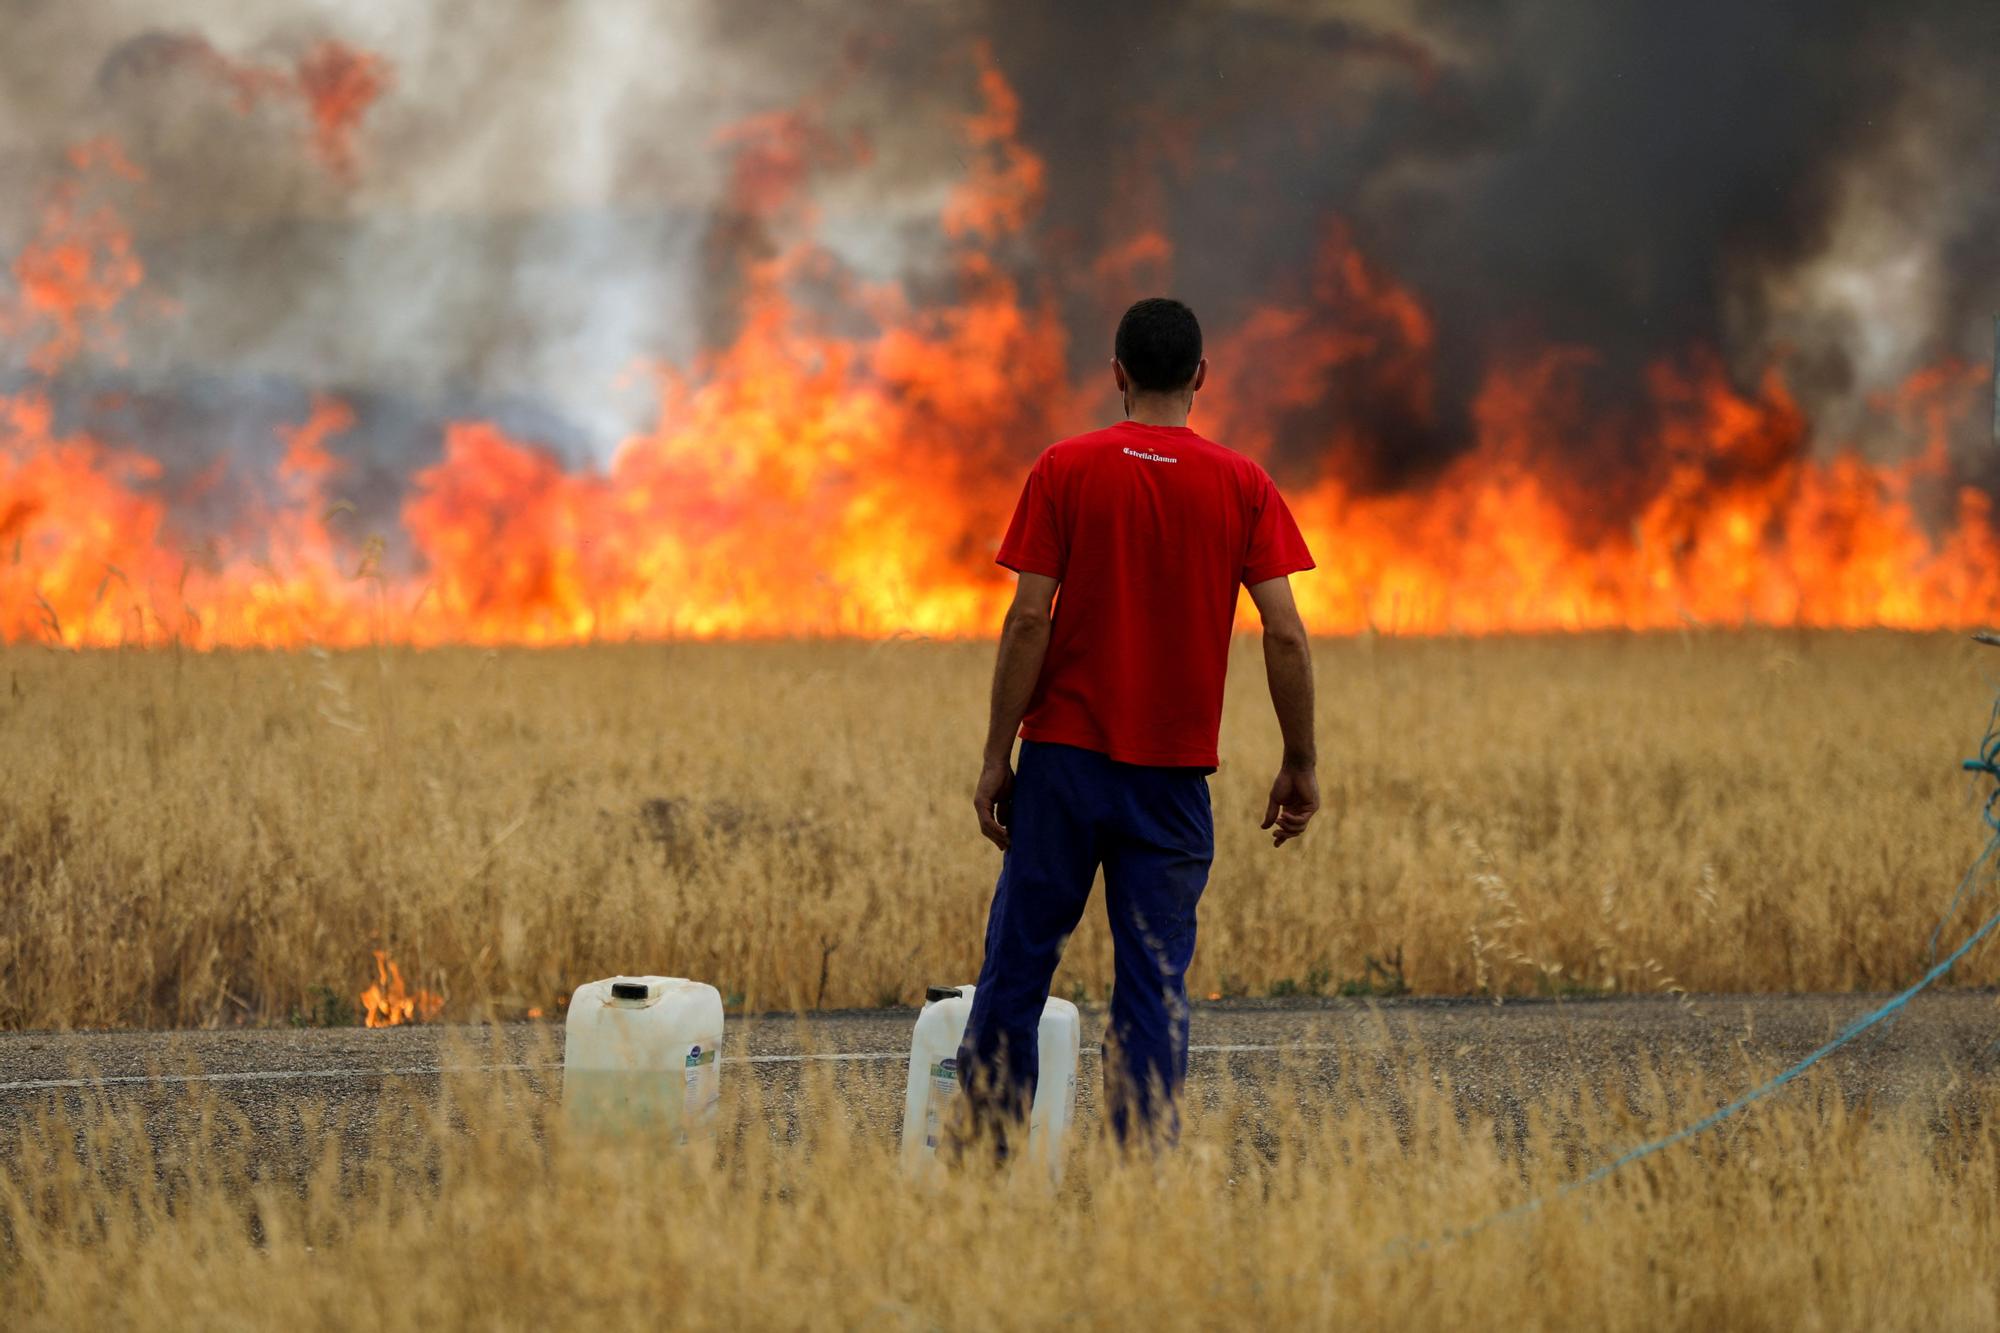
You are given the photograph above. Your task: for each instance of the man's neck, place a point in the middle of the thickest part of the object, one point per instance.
(1159, 410)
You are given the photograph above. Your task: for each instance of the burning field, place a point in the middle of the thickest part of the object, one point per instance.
(301, 354)
(219, 429)
(498, 495)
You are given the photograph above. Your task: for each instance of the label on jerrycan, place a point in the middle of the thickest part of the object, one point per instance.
(944, 1087)
(704, 1085)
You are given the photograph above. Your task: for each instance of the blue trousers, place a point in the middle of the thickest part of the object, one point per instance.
(1152, 831)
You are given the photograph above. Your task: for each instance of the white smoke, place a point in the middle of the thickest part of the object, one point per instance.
(526, 223)
(1875, 299)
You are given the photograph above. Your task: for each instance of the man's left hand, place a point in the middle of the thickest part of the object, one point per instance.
(991, 799)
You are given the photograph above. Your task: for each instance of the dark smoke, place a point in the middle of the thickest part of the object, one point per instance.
(1634, 178)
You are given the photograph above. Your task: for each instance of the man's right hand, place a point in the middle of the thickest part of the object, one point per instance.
(1294, 801)
(1288, 668)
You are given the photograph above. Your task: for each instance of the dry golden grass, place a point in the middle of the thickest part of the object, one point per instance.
(198, 839)
(480, 1210)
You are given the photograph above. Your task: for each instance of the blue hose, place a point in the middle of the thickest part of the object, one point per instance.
(1988, 763)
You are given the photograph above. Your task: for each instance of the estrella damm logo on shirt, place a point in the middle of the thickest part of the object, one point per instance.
(1149, 457)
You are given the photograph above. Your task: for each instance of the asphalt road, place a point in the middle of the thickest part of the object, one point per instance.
(1495, 1058)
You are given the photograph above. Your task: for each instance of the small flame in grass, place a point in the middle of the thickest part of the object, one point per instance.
(389, 1003)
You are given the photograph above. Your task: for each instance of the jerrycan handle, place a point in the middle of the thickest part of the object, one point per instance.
(935, 993)
(628, 990)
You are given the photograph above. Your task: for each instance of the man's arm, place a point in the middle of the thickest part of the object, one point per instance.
(1024, 642)
(1288, 669)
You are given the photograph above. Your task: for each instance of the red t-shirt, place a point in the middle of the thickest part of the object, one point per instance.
(1151, 530)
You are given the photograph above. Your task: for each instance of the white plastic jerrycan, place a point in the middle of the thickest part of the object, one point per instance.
(643, 1053)
(934, 1079)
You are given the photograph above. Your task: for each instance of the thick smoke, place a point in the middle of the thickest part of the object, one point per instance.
(540, 202)
(522, 227)
(1809, 181)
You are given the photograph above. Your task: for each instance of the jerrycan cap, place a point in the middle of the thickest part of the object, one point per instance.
(935, 993)
(629, 990)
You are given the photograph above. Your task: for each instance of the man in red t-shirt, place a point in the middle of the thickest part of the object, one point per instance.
(1130, 543)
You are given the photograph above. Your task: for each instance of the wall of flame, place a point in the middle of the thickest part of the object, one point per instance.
(844, 464)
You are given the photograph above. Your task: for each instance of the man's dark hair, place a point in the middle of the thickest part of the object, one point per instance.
(1159, 344)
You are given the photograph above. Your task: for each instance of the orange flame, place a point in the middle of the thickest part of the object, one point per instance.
(77, 268)
(338, 85)
(334, 83)
(389, 1003)
(849, 474)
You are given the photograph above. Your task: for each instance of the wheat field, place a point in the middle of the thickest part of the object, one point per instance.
(201, 839)
(1386, 1206)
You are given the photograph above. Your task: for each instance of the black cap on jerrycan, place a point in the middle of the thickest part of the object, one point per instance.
(935, 993)
(628, 990)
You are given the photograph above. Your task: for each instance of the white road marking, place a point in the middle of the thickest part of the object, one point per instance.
(423, 1071)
